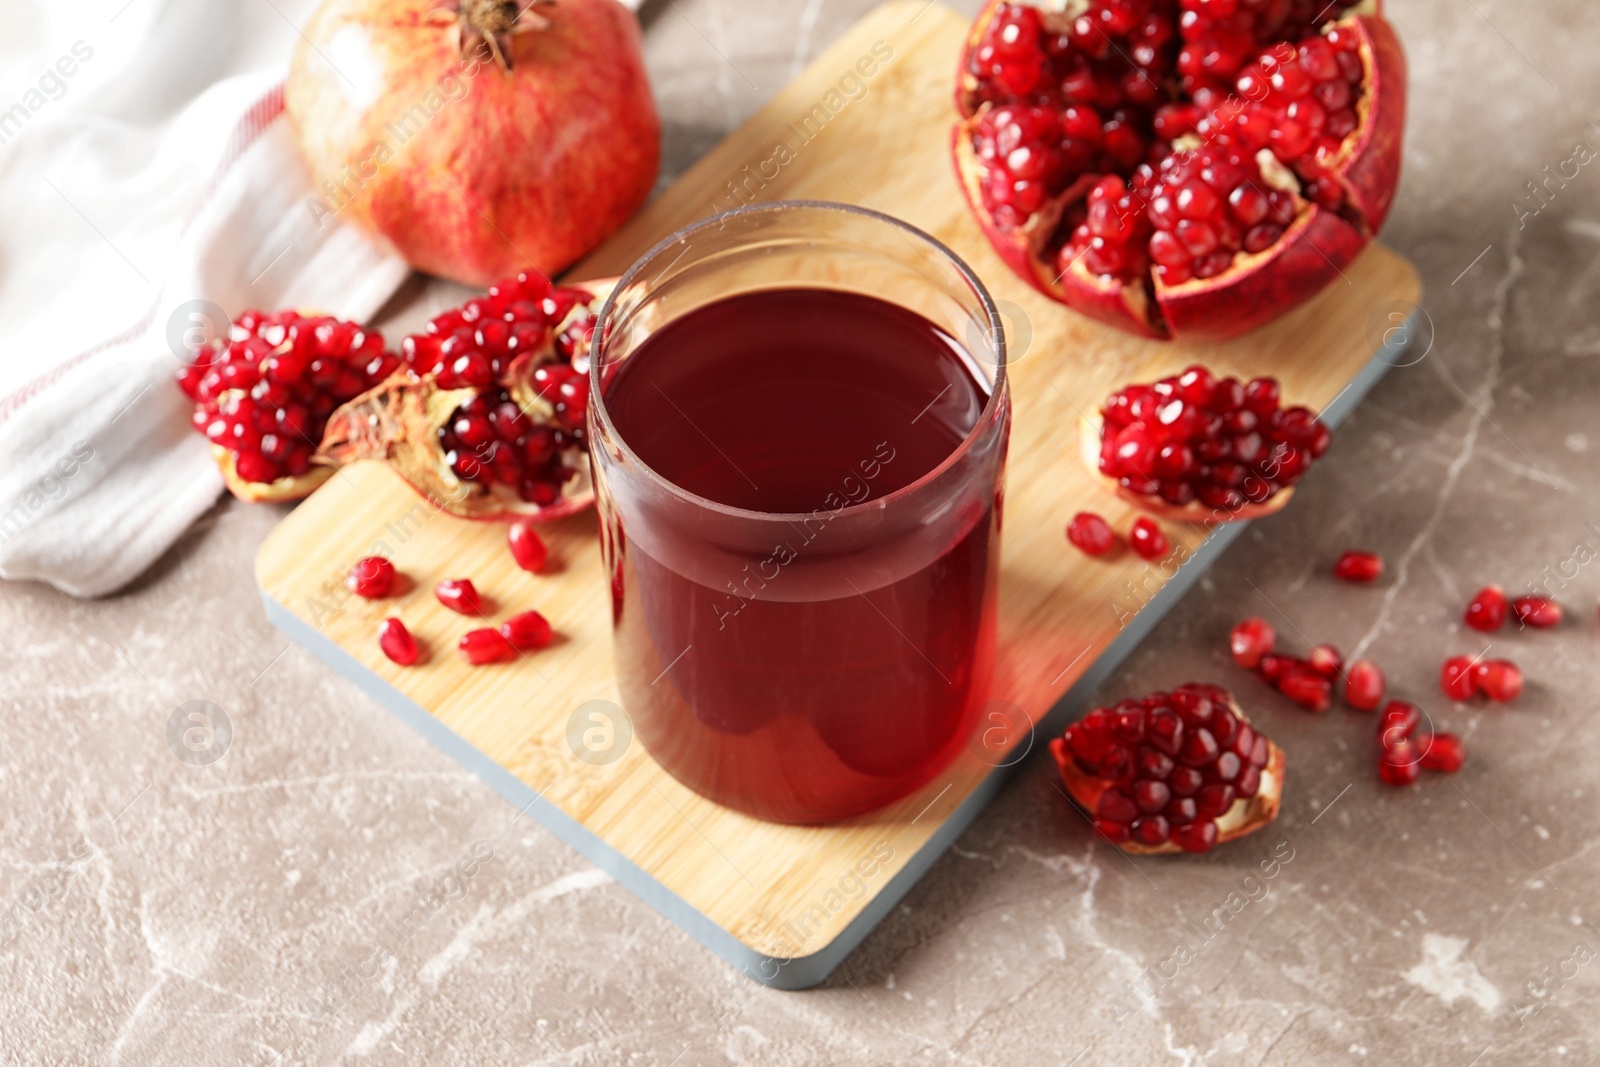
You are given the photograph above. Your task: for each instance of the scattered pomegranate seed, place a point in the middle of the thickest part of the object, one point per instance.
(1487, 610)
(1441, 752)
(527, 547)
(371, 577)
(1498, 679)
(1307, 688)
(1147, 538)
(459, 594)
(1537, 611)
(1091, 533)
(1252, 639)
(1173, 763)
(478, 647)
(1397, 721)
(1399, 764)
(1275, 666)
(1456, 678)
(397, 642)
(1364, 685)
(1326, 661)
(527, 631)
(1358, 567)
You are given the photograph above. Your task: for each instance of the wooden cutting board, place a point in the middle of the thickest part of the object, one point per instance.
(868, 123)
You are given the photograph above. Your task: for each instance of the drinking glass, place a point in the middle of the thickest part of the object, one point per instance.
(804, 666)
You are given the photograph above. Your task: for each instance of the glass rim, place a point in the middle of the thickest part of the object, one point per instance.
(597, 405)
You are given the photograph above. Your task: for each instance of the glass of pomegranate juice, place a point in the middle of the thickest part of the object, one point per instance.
(799, 425)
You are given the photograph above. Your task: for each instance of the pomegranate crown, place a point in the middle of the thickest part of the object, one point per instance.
(491, 25)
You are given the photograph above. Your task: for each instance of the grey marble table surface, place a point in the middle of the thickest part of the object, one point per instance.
(226, 913)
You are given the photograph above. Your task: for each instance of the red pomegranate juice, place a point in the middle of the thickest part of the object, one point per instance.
(831, 672)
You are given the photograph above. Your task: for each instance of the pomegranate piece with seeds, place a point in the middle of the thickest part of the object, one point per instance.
(1147, 539)
(527, 631)
(489, 417)
(1457, 678)
(1364, 685)
(1179, 169)
(478, 647)
(459, 595)
(1091, 534)
(1498, 679)
(397, 642)
(1196, 447)
(1179, 771)
(1537, 611)
(1358, 567)
(264, 396)
(372, 578)
(1441, 752)
(1487, 609)
(527, 547)
(1250, 641)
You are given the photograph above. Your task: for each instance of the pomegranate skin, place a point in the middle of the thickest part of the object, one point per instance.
(508, 171)
(1259, 288)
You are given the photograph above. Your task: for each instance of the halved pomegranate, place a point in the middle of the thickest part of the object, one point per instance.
(487, 418)
(1179, 771)
(263, 397)
(1180, 167)
(1195, 447)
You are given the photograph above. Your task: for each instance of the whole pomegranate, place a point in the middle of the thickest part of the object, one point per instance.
(480, 137)
(1180, 167)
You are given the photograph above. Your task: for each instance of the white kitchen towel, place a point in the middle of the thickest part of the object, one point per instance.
(128, 215)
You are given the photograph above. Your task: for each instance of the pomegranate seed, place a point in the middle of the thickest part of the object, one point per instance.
(1116, 806)
(478, 647)
(1397, 721)
(1197, 836)
(1441, 752)
(527, 631)
(1487, 610)
(1356, 566)
(1147, 538)
(397, 642)
(1308, 689)
(371, 577)
(1151, 830)
(1090, 533)
(1399, 764)
(1274, 667)
(527, 547)
(1326, 661)
(1498, 679)
(1457, 678)
(460, 595)
(1114, 832)
(1536, 611)
(1364, 685)
(1250, 640)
